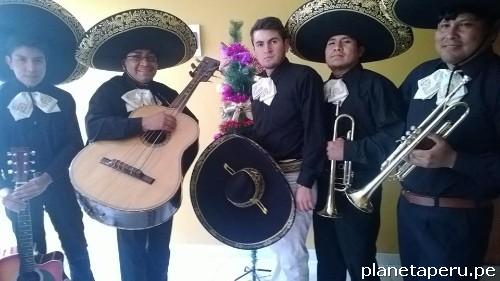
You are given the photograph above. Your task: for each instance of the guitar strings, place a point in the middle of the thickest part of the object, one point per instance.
(163, 133)
(152, 137)
(179, 102)
(133, 156)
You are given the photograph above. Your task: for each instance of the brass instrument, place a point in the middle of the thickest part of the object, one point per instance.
(330, 209)
(360, 198)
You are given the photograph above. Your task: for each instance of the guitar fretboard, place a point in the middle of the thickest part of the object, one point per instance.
(181, 100)
(25, 239)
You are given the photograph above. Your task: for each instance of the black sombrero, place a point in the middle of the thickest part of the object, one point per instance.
(106, 44)
(425, 13)
(240, 195)
(368, 21)
(48, 22)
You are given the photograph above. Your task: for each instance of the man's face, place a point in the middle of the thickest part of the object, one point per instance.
(269, 48)
(342, 52)
(141, 65)
(28, 64)
(457, 39)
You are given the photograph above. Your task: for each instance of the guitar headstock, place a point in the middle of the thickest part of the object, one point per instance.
(20, 162)
(205, 69)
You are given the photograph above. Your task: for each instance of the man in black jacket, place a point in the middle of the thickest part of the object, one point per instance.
(445, 208)
(346, 240)
(140, 53)
(41, 117)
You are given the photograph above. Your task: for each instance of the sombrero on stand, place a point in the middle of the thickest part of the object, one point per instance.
(240, 195)
(106, 44)
(368, 21)
(52, 25)
(425, 13)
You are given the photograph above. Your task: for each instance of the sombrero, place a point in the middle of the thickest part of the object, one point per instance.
(240, 195)
(106, 44)
(369, 22)
(48, 22)
(425, 13)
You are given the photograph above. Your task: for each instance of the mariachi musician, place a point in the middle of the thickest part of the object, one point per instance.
(139, 43)
(445, 208)
(38, 41)
(344, 34)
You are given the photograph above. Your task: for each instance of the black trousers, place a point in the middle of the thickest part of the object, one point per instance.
(145, 254)
(66, 216)
(442, 237)
(346, 243)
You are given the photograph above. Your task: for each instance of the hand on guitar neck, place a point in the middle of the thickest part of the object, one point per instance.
(16, 200)
(25, 266)
(10, 201)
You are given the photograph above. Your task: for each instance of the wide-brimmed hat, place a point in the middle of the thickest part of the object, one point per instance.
(425, 13)
(367, 21)
(52, 25)
(106, 44)
(240, 195)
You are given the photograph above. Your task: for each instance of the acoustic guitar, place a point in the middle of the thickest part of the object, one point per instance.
(23, 265)
(133, 183)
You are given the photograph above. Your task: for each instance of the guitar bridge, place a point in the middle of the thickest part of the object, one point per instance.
(127, 169)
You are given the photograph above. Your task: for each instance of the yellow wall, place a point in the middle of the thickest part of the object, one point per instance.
(213, 16)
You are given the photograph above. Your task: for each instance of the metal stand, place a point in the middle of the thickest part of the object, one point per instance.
(252, 270)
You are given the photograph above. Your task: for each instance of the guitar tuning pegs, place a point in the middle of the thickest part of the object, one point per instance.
(32, 162)
(193, 66)
(32, 153)
(198, 59)
(9, 154)
(10, 172)
(191, 73)
(10, 162)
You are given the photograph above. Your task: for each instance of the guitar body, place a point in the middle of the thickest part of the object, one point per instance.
(116, 198)
(49, 267)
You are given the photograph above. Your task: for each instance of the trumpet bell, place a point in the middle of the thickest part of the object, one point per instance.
(360, 200)
(329, 212)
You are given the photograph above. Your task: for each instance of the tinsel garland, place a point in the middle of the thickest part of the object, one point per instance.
(238, 68)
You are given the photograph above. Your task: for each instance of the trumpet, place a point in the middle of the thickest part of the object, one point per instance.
(330, 208)
(360, 198)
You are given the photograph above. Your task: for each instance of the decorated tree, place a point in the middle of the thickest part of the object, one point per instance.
(238, 68)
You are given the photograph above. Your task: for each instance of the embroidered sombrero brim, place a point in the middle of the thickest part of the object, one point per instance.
(425, 13)
(312, 24)
(49, 22)
(243, 228)
(106, 44)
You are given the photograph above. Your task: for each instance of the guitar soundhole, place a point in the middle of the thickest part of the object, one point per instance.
(155, 137)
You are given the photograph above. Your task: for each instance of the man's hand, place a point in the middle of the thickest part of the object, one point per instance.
(303, 198)
(163, 121)
(335, 149)
(439, 156)
(32, 188)
(10, 201)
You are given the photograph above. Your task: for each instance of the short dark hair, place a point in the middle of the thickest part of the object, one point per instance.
(15, 42)
(451, 13)
(269, 23)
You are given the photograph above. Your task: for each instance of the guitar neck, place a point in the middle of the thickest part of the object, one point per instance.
(181, 100)
(25, 239)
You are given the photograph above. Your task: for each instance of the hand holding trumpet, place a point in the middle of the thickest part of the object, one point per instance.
(440, 155)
